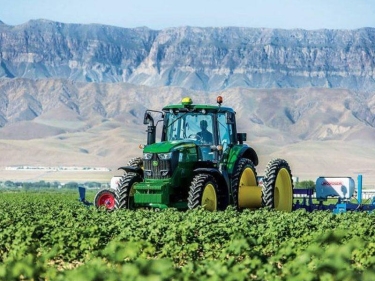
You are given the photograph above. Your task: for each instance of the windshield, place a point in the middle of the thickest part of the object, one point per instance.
(189, 125)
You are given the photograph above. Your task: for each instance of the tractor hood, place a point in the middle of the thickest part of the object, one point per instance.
(164, 147)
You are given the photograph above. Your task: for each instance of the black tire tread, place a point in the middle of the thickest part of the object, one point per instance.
(269, 180)
(135, 162)
(123, 190)
(197, 187)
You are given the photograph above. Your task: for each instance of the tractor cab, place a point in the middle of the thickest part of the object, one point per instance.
(211, 128)
(197, 128)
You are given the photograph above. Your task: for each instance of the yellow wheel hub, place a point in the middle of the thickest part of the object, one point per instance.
(249, 193)
(283, 191)
(209, 198)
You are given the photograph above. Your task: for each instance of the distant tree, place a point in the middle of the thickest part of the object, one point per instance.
(55, 184)
(27, 185)
(305, 184)
(93, 184)
(9, 184)
(42, 184)
(71, 185)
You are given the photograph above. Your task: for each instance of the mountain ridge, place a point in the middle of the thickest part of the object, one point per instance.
(197, 58)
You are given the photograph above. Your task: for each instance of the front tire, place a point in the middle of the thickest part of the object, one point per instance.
(105, 198)
(277, 191)
(203, 192)
(136, 162)
(125, 191)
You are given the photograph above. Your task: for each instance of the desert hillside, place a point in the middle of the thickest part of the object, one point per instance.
(321, 132)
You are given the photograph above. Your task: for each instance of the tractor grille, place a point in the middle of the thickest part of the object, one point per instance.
(160, 171)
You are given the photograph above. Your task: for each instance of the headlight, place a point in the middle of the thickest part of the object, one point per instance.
(147, 156)
(165, 156)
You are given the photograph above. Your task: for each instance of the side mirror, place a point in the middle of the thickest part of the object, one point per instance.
(241, 137)
(146, 118)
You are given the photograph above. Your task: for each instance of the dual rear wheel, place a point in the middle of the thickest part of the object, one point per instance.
(276, 192)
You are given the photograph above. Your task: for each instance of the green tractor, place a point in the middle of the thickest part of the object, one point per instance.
(201, 161)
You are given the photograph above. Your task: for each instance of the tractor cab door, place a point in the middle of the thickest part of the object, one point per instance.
(225, 131)
(201, 129)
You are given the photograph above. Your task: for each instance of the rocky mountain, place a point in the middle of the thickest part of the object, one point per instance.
(208, 59)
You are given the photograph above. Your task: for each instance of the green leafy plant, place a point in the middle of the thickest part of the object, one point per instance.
(51, 236)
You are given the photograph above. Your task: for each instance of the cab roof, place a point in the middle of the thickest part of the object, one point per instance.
(188, 105)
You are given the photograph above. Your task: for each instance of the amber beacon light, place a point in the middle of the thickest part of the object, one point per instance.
(219, 100)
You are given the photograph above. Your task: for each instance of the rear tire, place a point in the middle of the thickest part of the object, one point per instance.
(203, 192)
(244, 175)
(125, 191)
(277, 191)
(105, 198)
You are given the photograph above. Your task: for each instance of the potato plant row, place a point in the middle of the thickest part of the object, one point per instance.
(51, 236)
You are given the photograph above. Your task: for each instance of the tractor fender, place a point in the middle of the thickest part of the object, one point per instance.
(249, 152)
(212, 171)
(238, 152)
(132, 169)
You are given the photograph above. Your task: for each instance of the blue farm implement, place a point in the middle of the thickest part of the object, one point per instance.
(336, 194)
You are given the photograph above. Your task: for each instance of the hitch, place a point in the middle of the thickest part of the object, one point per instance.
(82, 196)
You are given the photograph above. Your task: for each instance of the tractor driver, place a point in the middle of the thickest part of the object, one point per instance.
(205, 135)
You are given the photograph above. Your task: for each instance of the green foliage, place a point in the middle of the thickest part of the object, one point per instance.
(93, 184)
(71, 185)
(10, 184)
(51, 236)
(305, 184)
(47, 185)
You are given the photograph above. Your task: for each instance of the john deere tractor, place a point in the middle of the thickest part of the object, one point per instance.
(201, 161)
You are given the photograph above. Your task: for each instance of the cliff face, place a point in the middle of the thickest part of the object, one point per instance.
(195, 58)
(99, 53)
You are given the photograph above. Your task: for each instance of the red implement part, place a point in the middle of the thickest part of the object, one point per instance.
(106, 198)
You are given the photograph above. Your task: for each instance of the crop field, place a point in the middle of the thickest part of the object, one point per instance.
(49, 235)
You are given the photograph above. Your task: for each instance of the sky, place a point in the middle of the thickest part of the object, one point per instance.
(160, 14)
